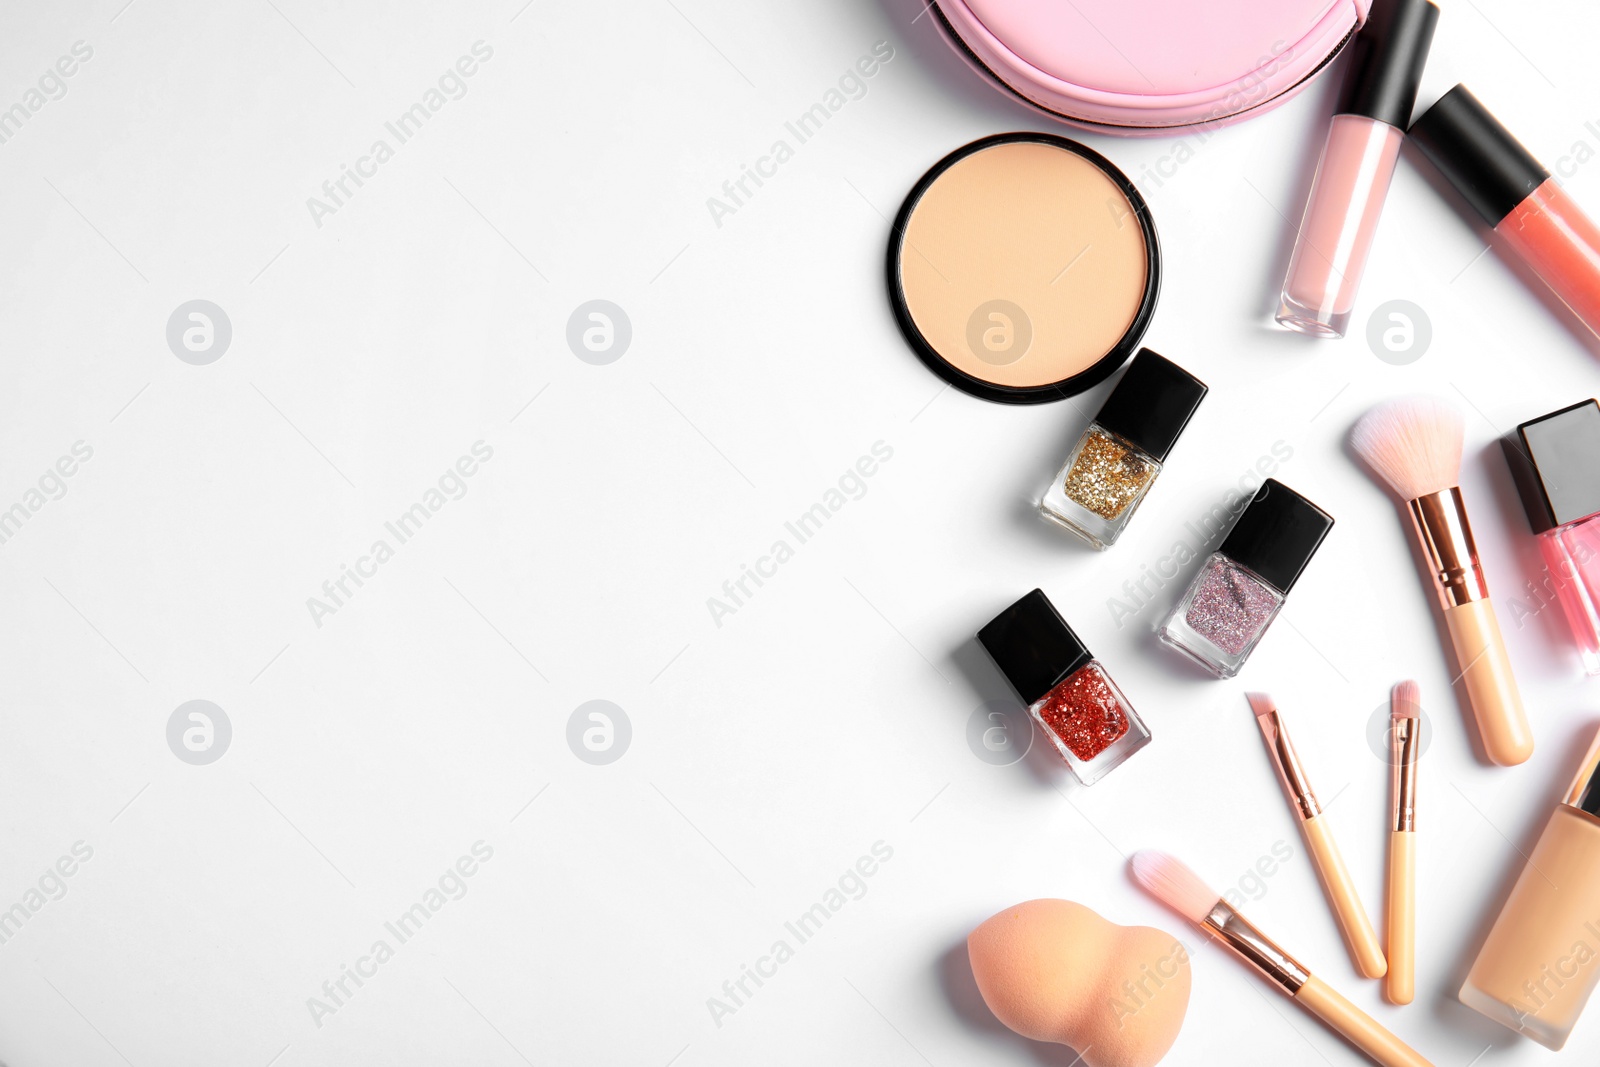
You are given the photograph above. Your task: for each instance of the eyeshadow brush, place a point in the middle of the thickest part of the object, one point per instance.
(1175, 885)
(1360, 939)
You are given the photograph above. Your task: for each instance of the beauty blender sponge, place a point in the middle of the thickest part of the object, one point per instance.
(1053, 970)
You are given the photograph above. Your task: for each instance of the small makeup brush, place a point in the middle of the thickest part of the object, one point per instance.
(1405, 740)
(1179, 888)
(1360, 939)
(1414, 444)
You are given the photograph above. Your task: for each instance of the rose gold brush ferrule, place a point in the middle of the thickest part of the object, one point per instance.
(1441, 523)
(1404, 742)
(1257, 949)
(1291, 775)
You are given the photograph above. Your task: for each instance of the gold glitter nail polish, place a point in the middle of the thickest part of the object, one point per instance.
(1119, 456)
(1107, 474)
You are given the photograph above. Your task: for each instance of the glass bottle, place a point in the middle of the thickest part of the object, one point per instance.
(1069, 694)
(1242, 586)
(1541, 960)
(1555, 460)
(1117, 459)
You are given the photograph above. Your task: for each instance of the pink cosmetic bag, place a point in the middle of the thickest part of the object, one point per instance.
(1150, 66)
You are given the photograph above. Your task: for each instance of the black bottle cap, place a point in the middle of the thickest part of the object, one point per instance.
(1152, 404)
(1555, 460)
(1033, 646)
(1386, 61)
(1277, 534)
(1483, 161)
(1584, 794)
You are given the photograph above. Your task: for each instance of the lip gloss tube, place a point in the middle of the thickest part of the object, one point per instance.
(1515, 194)
(1358, 161)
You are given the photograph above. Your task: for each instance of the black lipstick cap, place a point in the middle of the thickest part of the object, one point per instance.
(1479, 156)
(1386, 61)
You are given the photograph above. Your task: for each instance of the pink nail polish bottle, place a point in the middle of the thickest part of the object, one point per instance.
(1552, 459)
(1352, 180)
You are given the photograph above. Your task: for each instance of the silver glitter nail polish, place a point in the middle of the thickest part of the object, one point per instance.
(1242, 586)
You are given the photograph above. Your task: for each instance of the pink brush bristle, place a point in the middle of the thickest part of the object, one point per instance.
(1261, 704)
(1414, 444)
(1406, 700)
(1174, 884)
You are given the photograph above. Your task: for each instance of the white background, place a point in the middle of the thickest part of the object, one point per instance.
(830, 711)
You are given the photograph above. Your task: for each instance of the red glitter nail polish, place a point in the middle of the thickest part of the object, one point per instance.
(1067, 691)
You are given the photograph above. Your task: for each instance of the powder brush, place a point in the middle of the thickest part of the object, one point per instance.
(1414, 445)
(1175, 885)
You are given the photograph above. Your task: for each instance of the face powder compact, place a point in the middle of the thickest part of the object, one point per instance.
(1024, 268)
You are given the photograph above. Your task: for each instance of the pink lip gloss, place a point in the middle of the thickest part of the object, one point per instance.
(1357, 164)
(1515, 194)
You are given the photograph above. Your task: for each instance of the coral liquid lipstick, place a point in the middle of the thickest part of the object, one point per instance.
(1515, 194)
(1357, 164)
(1067, 691)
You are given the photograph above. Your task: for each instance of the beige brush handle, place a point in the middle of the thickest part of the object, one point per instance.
(1400, 984)
(1356, 1026)
(1491, 690)
(1359, 936)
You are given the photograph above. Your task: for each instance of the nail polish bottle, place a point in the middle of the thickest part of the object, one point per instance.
(1555, 460)
(1380, 87)
(1541, 960)
(1069, 694)
(1242, 585)
(1117, 459)
(1514, 193)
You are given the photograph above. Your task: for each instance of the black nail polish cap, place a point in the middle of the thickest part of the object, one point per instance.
(1479, 156)
(1277, 534)
(1386, 61)
(1152, 404)
(1555, 461)
(1033, 646)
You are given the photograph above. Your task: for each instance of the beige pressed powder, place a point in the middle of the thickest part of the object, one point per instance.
(1024, 268)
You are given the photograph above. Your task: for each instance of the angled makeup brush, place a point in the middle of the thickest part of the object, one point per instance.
(1180, 889)
(1414, 444)
(1360, 939)
(1405, 740)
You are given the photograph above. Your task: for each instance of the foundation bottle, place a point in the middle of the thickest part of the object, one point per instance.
(1541, 961)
